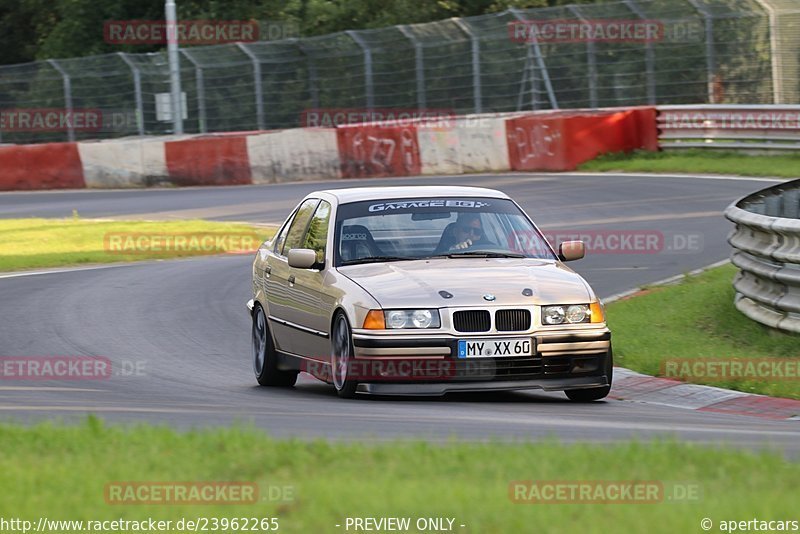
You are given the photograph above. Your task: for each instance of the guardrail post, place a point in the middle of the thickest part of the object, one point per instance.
(257, 86)
(537, 51)
(419, 64)
(137, 89)
(476, 63)
(791, 204)
(368, 83)
(202, 125)
(649, 55)
(67, 98)
(711, 59)
(591, 60)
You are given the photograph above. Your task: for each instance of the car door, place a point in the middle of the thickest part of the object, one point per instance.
(310, 308)
(278, 274)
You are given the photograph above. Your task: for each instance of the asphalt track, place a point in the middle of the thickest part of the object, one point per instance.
(183, 323)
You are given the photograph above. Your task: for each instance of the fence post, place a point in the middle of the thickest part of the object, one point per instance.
(202, 126)
(313, 88)
(476, 63)
(368, 84)
(258, 89)
(67, 98)
(419, 64)
(711, 60)
(539, 60)
(591, 60)
(649, 55)
(174, 67)
(777, 68)
(528, 71)
(137, 89)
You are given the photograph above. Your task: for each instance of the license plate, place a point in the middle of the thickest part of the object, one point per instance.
(495, 348)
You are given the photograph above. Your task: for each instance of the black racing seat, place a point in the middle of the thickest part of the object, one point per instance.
(447, 240)
(356, 242)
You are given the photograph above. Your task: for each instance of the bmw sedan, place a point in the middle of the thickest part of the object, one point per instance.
(424, 291)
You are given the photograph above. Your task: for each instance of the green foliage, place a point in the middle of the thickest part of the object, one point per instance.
(697, 319)
(39, 243)
(705, 161)
(41, 29)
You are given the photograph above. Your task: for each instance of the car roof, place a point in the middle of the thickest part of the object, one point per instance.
(358, 194)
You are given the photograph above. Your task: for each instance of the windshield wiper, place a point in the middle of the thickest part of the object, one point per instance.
(378, 259)
(483, 254)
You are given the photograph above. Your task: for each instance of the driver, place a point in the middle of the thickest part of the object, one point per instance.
(464, 233)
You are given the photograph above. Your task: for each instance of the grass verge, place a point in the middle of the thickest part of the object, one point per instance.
(697, 319)
(61, 472)
(38, 243)
(696, 161)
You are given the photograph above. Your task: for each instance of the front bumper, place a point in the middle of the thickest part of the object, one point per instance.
(564, 359)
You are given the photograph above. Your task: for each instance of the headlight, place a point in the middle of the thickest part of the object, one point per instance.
(566, 314)
(412, 318)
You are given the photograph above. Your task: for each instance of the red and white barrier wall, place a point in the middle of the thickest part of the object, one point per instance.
(544, 141)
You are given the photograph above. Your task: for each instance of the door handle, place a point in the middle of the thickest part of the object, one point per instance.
(291, 279)
(267, 269)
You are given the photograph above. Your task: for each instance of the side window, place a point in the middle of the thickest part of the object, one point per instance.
(281, 238)
(317, 235)
(294, 237)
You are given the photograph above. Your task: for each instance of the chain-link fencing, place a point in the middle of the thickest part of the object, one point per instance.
(622, 53)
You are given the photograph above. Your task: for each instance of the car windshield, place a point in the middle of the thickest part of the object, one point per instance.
(407, 229)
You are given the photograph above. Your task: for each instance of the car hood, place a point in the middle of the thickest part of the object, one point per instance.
(418, 283)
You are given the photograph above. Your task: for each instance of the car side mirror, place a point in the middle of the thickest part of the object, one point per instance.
(571, 250)
(302, 258)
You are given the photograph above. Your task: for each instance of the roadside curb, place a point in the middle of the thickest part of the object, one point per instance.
(632, 386)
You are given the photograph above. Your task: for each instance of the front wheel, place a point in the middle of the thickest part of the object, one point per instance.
(341, 356)
(593, 394)
(265, 360)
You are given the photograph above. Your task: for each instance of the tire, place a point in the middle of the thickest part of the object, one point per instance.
(593, 394)
(341, 355)
(265, 360)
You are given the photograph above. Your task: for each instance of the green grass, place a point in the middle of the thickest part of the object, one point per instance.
(38, 243)
(696, 161)
(61, 471)
(697, 319)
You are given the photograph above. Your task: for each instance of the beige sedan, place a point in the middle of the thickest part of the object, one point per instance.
(424, 291)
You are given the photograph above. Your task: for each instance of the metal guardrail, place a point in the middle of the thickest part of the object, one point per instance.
(753, 127)
(766, 245)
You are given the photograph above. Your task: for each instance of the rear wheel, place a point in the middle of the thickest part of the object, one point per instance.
(341, 356)
(593, 394)
(265, 360)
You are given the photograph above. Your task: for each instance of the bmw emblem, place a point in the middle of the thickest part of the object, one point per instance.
(489, 297)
